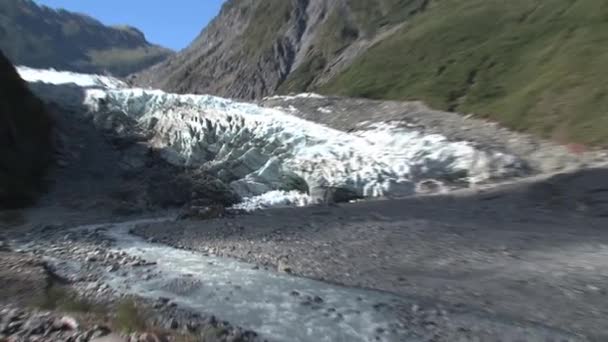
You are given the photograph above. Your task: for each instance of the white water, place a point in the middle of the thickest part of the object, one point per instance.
(263, 301)
(257, 299)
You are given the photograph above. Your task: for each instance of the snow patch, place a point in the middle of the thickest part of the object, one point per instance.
(52, 76)
(292, 97)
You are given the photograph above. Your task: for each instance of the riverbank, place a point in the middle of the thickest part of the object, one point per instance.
(535, 251)
(184, 291)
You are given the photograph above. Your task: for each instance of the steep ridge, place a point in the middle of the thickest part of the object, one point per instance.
(41, 37)
(256, 48)
(25, 139)
(534, 66)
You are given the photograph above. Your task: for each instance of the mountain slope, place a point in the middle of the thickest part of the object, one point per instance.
(536, 66)
(41, 37)
(253, 48)
(25, 138)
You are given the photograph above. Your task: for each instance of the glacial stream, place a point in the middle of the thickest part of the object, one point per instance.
(278, 306)
(281, 307)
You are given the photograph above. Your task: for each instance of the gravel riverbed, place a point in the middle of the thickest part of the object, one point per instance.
(532, 251)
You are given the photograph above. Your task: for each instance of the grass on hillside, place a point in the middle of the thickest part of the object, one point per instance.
(343, 26)
(123, 61)
(534, 65)
(59, 298)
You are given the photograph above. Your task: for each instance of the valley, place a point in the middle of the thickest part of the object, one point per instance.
(254, 268)
(304, 170)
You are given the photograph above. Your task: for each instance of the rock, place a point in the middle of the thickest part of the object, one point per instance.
(327, 194)
(163, 300)
(99, 331)
(429, 186)
(148, 337)
(282, 266)
(110, 338)
(65, 323)
(203, 213)
(172, 324)
(36, 325)
(91, 258)
(136, 263)
(192, 326)
(211, 321)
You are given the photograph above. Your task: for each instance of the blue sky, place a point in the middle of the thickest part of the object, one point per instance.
(173, 24)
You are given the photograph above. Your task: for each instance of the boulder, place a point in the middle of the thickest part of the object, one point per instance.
(430, 186)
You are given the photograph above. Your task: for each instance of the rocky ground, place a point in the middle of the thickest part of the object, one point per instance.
(533, 251)
(52, 291)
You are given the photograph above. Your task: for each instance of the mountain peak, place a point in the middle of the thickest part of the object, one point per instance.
(39, 36)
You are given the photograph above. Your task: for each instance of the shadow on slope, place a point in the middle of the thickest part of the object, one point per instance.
(105, 161)
(25, 139)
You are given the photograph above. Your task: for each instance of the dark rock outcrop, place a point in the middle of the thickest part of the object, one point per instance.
(25, 139)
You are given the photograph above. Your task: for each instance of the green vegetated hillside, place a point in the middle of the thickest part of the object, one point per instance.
(41, 37)
(534, 65)
(25, 139)
(345, 24)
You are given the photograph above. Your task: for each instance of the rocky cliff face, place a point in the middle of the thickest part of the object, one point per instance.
(255, 48)
(41, 37)
(25, 138)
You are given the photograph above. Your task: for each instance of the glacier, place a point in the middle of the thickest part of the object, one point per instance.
(273, 158)
(52, 76)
